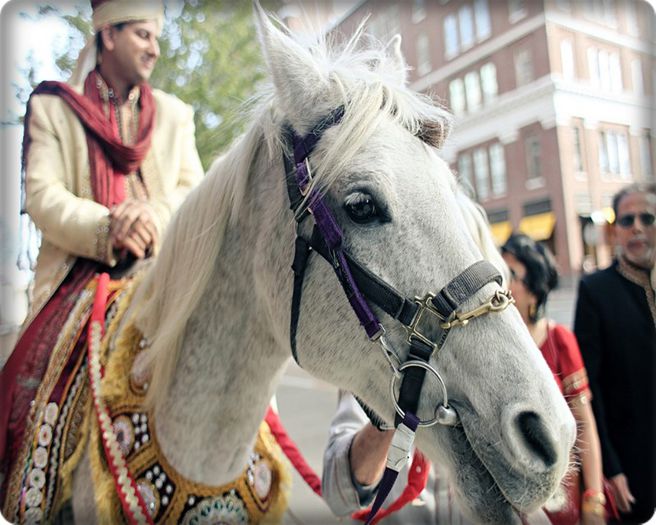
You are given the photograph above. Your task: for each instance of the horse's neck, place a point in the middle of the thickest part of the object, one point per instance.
(229, 364)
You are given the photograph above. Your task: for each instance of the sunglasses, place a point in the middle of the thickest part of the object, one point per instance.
(626, 221)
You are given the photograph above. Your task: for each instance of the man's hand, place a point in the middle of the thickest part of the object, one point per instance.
(132, 228)
(369, 454)
(623, 495)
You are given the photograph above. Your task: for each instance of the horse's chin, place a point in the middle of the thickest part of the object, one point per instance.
(478, 494)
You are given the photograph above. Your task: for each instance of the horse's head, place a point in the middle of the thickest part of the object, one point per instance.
(378, 170)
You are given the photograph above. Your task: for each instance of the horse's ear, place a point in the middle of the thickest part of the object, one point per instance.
(292, 68)
(393, 47)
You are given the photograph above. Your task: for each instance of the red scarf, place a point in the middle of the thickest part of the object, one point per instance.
(109, 159)
(109, 162)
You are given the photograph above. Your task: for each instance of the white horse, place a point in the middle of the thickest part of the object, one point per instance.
(216, 304)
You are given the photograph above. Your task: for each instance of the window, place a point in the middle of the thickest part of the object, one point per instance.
(423, 55)
(631, 18)
(482, 17)
(645, 157)
(614, 154)
(498, 169)
(457, 96)
(393, 20)
(636, 77)
(472, 91)
(605, 69)
(465, 170)
(601, 11)
(481, 173)
(623, 155)
(385, 24)
(466, 21)
(603, 153)
(450, 36)
(523, 67)
(418, 10)
(593, 67)
(489, 82)
(471, 23)
(533, 154)
(567, 59)
(564, 5)
(578, 150)
(516, 10)
(615, 73)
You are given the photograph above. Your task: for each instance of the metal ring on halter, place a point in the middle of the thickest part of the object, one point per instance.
(444, 414)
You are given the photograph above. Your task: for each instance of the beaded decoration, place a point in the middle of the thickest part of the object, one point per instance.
(126, 431)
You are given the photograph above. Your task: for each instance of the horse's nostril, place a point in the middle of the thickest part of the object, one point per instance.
(536, 437)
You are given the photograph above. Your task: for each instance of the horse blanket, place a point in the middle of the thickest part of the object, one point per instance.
(64, 424)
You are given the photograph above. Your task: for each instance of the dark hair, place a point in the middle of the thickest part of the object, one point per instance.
(636, 187)
(99, 43)
(541, 273)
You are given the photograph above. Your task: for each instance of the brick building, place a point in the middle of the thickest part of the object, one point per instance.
(552, 104)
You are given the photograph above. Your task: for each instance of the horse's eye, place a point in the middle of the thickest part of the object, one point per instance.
(361, 208)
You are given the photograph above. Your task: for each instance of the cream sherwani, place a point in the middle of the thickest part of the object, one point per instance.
(58, 188)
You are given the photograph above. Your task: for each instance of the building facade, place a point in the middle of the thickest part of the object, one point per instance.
(552, 102)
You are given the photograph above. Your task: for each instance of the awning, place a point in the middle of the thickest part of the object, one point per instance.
(538, 227)
(605, 215)
(500, 232)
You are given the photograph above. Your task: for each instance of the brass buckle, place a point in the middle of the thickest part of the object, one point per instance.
(425, 306)
(498, 302)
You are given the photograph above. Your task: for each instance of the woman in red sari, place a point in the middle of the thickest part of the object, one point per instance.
(533, 275)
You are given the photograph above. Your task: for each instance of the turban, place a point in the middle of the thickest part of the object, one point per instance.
(111, 12)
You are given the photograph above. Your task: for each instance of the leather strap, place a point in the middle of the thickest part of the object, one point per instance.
(464, 286)
(301, 255)
(383, 295)
(390, 475)
(413, 379)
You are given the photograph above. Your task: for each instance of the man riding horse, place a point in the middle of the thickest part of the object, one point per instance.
(106, 160)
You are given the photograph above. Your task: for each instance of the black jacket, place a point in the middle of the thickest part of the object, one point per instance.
(614, 325)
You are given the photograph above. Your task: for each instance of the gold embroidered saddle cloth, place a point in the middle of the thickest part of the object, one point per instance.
(259, 494)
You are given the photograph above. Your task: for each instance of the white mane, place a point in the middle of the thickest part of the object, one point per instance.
(366, 81)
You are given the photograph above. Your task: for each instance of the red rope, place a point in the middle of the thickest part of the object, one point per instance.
(291, 451)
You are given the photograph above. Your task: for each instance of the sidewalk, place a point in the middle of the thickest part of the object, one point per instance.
(562, 302)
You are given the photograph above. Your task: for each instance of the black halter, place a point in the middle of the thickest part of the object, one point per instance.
(358, 281)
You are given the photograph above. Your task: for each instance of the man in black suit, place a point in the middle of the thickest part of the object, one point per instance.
(615, 325)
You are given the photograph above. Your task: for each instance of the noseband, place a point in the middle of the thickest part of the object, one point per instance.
(440, 312)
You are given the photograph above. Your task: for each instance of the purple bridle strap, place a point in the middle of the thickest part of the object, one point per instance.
(389, 476)
(332, 234)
